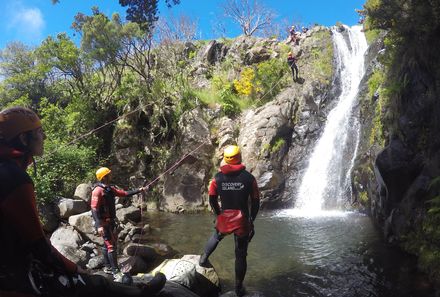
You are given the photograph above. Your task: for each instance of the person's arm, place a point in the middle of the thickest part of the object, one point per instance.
(121, 193)
(95, 204)
(20, 211)
(213, 197)
(255, 200)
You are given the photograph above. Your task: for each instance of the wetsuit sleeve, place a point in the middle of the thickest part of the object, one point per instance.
(95, 204)
(213, 197)
(21, 212)
(122, 193)
(255, 200)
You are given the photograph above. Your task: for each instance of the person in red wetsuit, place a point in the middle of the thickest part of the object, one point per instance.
(29, 264)
(237, 189)
(104, 214)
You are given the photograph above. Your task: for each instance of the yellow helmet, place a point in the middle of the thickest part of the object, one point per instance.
(232, 155)
(101, 172)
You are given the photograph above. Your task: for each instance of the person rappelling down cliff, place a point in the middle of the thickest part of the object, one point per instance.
(291, 60)
(237, 189)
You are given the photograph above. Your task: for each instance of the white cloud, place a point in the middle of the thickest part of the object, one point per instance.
(26, 23)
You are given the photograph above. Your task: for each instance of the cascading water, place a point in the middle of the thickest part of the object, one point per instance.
(327, 178)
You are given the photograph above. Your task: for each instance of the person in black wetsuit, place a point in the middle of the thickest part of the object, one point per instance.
(291, 60)
(237, 189)
(29, 265)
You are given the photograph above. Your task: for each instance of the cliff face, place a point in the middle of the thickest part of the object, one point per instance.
(275, 137)
(398, 168)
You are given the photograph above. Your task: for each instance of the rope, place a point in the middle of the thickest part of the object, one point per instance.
(91, 132)
(146, 184)
(273, 86)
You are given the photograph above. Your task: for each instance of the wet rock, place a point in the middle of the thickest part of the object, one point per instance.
(127, 214)
(148, 253)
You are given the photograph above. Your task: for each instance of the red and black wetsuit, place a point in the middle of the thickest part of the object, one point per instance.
(237, 189)
(104, 214)
(22, 236)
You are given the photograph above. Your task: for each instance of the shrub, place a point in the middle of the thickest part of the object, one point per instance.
(247, 85)
(61, 170)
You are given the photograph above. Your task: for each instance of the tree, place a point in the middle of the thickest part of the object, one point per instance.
(142, 12)
(23, 77)
(249, 14)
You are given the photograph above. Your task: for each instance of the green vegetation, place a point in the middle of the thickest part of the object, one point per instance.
(425, 239)
(322, 57)
(410, 59)
(275, 146)
(116, 70)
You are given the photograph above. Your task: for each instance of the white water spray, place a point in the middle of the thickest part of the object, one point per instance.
(327, 177)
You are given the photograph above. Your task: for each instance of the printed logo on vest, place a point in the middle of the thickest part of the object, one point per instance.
(233, 186)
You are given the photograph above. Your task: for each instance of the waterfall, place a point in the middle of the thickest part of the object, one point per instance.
(326, 182)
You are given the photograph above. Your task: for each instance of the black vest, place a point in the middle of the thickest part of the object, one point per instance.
(12, 248)
(234, 190)
(108, 208)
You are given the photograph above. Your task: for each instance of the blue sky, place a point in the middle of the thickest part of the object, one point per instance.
(30, 21)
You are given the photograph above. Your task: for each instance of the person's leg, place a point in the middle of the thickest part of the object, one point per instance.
(210, 247)
(293, 71)
(110, 244)
(107, 265)
(241, 246)
(96, 285)
(296, 70)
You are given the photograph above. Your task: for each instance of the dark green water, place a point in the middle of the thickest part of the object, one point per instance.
(340, 255)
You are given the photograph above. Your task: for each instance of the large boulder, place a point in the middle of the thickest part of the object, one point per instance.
(147, 253)
(214, 52)
(68, 241)
(83, 192)
(128, 214)
(68, 207)
(49, 218)
(187, 272)
(83, 222)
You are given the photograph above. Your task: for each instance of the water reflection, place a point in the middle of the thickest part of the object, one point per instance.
(332, 255)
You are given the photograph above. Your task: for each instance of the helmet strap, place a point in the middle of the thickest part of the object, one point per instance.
(34, 165)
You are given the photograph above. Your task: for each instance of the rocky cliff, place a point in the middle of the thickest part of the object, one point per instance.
(396, 177)
(276, 137)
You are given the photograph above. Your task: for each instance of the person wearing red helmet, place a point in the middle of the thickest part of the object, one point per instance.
(237, 189)
(29, 265)
(104, 214)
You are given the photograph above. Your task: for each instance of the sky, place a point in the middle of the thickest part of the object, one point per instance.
(31, 21)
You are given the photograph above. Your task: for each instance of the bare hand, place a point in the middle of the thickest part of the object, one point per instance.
(144, 188)
(101, 231)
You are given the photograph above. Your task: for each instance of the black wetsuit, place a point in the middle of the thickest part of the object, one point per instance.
(292, 64)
